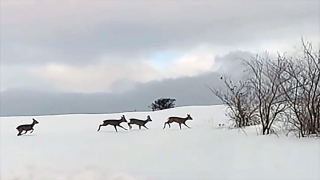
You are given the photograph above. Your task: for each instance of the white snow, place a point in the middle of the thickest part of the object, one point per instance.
(68, 147)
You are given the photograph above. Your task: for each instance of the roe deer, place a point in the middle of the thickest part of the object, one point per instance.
(178, 120)
(114, 123)
(26, 127)
(139, 122)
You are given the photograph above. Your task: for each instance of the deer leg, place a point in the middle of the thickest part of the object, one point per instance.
(19, 134)
(166, 124)
(186, 125)
(139, 127)
(122, 127)
(115, 127)
(25, 131)
(100, 127)
(129, 124)
(180, 125)
(145, 126)
(31, 130)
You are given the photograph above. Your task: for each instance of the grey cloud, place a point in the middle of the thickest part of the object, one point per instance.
(17, 76)
(141, 28)
(232, 64)
(20, 76)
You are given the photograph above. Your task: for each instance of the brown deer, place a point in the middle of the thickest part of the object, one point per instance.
(26, 127)
(139, 122)
(114, 123)
(178, 120)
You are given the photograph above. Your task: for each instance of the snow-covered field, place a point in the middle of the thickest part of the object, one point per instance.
(68, 147)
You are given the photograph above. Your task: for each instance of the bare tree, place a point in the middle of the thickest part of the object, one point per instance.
(240, 102)
(302, 91)
(265, 82)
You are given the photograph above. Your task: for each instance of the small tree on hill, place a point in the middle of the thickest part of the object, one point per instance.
(240, 100)
(163, 103)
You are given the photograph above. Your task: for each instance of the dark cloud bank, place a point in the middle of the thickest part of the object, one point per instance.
(187, 91)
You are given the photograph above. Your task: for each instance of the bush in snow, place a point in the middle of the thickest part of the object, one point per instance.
(239, 100)
(163, 103)
(281, 89)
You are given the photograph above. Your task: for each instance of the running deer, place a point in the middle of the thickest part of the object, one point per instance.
(26, 127)
(178, 120)
(139, 122)
(114, 123)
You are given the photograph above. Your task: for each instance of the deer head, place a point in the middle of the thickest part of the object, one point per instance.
(35, 121)
(189, 117)
(148, 118)
(123, 119)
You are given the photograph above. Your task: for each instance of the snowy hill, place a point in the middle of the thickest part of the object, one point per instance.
(68, 147)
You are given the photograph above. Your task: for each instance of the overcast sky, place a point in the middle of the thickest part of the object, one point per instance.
(81, 56)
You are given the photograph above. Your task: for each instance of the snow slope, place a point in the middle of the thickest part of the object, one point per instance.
(68, 147)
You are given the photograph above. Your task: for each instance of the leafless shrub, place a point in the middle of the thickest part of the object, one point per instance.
(285, 90)
(302, 91)
(265, 82)
(239, 100)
